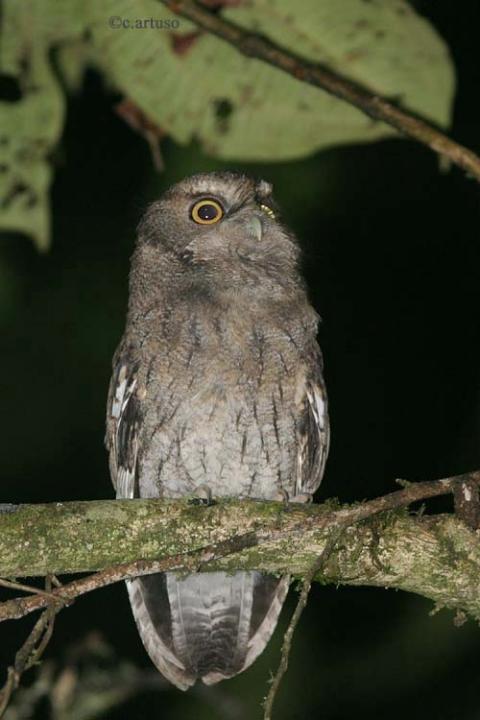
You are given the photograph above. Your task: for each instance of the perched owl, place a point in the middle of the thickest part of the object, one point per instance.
(217, 387)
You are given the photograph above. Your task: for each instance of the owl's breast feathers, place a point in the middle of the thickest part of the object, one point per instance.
(231, 401)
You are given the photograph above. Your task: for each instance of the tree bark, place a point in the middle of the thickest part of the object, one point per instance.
(437, 557)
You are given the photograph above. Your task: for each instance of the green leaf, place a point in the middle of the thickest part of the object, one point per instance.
(30, 125)
(240, 108)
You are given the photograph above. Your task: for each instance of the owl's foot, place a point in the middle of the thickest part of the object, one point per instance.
(202, 495)
(283, 496)
(306, 498)
(7, 508)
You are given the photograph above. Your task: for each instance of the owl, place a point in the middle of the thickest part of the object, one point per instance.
(217, 391)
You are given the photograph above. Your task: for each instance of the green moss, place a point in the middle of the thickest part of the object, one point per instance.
(436, 557)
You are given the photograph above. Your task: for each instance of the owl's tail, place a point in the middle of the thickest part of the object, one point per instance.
(207, 626)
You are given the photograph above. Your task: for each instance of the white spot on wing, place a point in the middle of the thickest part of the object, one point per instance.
(125, 481)
(119, 392)
(317, 403)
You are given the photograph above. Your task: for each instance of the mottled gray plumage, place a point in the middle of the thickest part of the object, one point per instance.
(217, 382)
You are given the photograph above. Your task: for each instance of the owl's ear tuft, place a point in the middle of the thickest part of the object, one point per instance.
(263, 189)
(264, 199)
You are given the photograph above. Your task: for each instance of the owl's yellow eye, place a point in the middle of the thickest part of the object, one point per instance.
(207, 212)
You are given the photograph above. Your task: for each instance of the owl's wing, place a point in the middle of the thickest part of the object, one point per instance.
(123, 420)
(124, 417)
(313, 430)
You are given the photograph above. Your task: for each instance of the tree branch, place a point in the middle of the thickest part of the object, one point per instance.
(191, 561)
(435, 556)
(319, 75)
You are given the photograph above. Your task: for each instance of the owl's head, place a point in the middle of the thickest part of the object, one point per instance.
(220, 225)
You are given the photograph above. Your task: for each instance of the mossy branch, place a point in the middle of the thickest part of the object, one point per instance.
(437, 557)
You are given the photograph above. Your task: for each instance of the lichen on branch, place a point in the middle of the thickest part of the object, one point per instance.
(381, 544)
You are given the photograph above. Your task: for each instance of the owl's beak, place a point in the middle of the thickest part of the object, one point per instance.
(255, 227)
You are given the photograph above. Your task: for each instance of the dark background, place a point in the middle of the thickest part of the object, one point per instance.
(392, 260)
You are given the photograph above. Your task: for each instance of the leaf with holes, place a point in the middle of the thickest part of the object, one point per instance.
(194, 85)
(32, 114)
(189, 85)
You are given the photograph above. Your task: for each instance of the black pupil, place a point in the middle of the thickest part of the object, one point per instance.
(207, 212)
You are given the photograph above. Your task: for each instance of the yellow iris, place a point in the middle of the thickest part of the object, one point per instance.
(207, 212)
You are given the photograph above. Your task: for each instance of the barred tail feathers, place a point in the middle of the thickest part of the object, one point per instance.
(206, 626)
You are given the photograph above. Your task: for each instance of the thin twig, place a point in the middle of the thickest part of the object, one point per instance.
(7, 690)
(262, 48)
(28, 655)
(400, 498)
(11, 585)
(300, 607)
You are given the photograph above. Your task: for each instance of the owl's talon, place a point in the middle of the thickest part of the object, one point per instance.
(202, 495)
(305, 498)
(283, 496)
